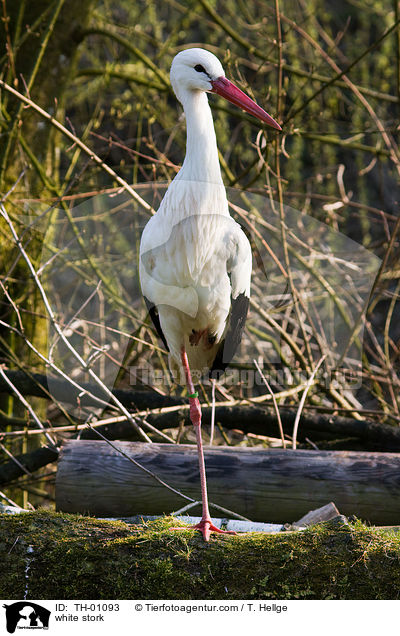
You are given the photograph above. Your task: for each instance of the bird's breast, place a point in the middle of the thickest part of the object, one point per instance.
(191, 253)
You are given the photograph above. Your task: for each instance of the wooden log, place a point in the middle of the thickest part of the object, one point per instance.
(43, 386)
(262, 420)
(326, 513)
(271, 485)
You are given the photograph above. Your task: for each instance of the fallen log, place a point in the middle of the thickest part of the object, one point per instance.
(271, 485)
(46, 386)
(44, 555)
(27, 463)
(262, 421)
(248, 418)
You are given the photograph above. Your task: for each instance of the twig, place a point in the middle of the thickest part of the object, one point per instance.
(27, 406)
(212, 411)
(212, 505)
(275, 403)
(8, 500)
(138, 465)
(15, 460)
(303, 399)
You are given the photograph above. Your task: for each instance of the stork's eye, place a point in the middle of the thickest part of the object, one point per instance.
(199, 68)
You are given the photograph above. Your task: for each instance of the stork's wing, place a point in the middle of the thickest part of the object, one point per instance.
(233, 337)
(239, 268)
(152, 309)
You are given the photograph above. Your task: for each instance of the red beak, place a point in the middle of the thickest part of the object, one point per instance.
(233, 94)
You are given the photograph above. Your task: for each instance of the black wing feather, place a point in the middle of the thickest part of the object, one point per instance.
(228, 346)
(152, 309)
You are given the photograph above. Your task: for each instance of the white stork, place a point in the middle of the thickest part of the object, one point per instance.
(195, 261)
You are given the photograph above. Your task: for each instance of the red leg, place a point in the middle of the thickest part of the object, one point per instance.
(205, 526)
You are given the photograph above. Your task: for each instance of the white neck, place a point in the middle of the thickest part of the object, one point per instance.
(201, 161)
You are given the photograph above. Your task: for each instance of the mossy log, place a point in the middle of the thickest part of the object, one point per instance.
(73, 557)
(271, 485)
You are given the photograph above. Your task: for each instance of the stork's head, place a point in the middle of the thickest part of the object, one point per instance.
(199, 70)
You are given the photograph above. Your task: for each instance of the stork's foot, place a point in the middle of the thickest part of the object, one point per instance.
(206, 527)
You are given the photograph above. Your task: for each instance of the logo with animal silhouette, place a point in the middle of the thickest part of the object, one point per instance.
(26, 615)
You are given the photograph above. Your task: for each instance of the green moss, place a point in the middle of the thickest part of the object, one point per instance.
(86, 558)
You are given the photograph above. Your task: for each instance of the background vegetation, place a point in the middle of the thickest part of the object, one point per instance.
(328, 72)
